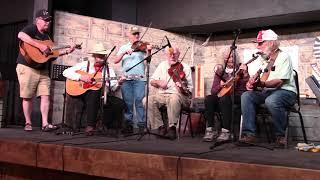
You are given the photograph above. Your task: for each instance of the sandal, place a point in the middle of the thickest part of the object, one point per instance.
(28, 127)
(49, 127)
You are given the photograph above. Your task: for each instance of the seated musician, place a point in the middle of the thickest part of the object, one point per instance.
(169, 93)
(219, 100)
(91, 98)
(278, 88)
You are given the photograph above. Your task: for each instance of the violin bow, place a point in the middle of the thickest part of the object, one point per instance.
(145, 31)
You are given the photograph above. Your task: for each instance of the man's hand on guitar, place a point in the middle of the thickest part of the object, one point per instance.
(251, 84)
(44, 49)
(86, 78)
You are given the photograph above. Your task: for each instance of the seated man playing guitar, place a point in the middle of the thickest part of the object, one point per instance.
(221, 97)
(277, 88)
(171, 92)
(34, 76)
(84, 82)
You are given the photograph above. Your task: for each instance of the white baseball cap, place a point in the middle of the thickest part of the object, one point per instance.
(266, 35)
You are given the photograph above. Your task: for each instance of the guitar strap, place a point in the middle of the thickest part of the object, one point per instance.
(273, 58)
(88, 65)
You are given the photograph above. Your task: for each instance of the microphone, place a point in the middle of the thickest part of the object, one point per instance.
(168, 42)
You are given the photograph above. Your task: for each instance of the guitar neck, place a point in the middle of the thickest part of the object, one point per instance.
(60, 47)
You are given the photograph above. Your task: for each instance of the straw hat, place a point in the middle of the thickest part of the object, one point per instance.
(99, 49)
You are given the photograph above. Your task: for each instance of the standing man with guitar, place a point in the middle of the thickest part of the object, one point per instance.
(133, 91)
(87, 77)
(171, 92)
(277, 88)
(221, 97)
(33, 76)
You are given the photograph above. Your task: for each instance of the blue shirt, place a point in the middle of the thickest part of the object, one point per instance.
(130, 60)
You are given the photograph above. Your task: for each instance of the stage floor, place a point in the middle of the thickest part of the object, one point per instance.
(184, 147)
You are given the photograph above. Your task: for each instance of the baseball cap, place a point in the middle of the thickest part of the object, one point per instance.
(44, 14)
(266, 35)
(134, 29)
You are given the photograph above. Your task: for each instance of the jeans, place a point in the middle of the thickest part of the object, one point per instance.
(276, 101)
(133, 93)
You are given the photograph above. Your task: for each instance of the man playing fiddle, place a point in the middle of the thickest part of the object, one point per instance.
(278, 88)
(169, 93)
(133, 91)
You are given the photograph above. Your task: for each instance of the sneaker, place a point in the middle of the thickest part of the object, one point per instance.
(281, 142)
(172, 133)
(224, 135)
(210, 134)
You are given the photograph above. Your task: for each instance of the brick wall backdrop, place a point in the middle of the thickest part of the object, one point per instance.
(72, 28)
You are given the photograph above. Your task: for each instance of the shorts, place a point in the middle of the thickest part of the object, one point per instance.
(33, 82)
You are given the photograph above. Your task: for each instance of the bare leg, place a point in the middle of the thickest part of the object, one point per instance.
(27, 109)
(44, 108)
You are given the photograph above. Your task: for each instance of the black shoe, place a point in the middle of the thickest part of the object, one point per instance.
(141, 129)
(281, 142)
(162, 130)
(172, 133)
(128, 130)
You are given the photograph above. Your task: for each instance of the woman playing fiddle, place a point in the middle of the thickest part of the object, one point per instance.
(169, 92)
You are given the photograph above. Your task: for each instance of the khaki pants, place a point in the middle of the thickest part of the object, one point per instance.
(174, 102)
(33, 82)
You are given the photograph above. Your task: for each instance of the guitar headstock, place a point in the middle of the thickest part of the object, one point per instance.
(78, 46)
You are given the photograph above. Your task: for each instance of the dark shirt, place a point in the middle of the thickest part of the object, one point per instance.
(240, 85)
(33, 32)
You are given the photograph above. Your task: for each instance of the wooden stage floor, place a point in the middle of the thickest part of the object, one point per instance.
(127, 158)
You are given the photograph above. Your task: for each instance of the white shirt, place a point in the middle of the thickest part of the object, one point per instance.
(71, 73)
(161, 73)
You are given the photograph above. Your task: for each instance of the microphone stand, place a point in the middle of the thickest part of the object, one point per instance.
(232, 137)
(148, 60)
(104, 96)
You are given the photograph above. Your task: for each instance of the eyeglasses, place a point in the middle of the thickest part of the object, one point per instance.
(260, 43)
(46, 20)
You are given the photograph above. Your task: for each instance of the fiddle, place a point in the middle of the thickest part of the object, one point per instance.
(142, 46)
(178, 75)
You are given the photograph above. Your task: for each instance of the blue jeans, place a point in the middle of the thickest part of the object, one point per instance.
(132, 93)
(277, 101)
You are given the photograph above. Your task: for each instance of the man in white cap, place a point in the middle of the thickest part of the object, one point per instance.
(278, 90)
(133, 91)
(34, 77)
(91, 97)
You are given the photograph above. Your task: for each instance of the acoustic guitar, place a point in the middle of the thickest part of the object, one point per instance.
(76, 88)
(228, 86)
(34, 54)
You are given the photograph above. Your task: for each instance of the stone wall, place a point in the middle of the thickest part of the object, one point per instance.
(71, 28)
